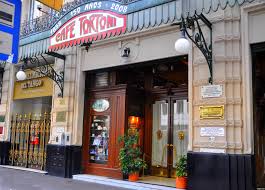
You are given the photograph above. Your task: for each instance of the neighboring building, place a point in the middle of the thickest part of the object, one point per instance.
(119, 61)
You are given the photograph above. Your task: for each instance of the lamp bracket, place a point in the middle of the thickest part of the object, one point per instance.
(46, 69)
(197, 37)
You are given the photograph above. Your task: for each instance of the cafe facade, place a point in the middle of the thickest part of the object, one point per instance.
(121, 71)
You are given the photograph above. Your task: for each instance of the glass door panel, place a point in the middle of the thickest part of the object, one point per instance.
(180, 129)
(99, 139)
(160, 134)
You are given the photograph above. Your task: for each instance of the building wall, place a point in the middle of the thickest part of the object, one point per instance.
(228, 71)
(6, 101)
(159, 43)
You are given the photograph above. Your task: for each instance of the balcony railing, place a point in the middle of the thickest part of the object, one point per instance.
(45, 22)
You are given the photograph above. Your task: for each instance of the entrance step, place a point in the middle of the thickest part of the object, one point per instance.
(24, 169)
(119, 183)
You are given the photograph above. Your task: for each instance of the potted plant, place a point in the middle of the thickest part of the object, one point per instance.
(181, 172)
(130, 156)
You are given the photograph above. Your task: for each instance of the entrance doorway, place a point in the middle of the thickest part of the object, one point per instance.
(30, 132)
(258, 55)
(169, 134)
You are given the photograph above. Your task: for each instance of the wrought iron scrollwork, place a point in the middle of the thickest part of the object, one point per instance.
(197, 37)
(46, 69)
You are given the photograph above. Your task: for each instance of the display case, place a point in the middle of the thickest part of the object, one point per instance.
(99, 139)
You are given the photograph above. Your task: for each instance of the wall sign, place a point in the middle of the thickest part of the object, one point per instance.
(35, 85)
(212, 112)
(100, 105)
(211, 91)
(61, 116)
(88, 26)
(212, 132)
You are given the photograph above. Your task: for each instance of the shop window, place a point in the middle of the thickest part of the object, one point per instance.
(99, 137)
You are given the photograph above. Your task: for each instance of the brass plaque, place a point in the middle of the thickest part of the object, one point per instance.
(212, 112)
(61, 116)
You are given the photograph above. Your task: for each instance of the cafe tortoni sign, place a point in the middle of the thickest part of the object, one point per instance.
(89, 22)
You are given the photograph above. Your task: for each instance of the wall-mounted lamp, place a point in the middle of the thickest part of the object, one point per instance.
(182, 45)
(134, 122)
(45, 69)
(21, 75)
(86, 45)
(192, 24)
(126, 52)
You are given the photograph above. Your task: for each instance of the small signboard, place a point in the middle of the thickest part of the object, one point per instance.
(212, 112)
(211, 91)
(10, 13)
(212, 132)
(61, 116)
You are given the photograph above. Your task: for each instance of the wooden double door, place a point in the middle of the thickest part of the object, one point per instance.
(169, 134)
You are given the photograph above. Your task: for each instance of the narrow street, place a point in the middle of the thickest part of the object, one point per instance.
(22, 180)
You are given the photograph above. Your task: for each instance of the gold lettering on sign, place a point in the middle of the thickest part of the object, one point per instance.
(32, 84)
(212, 112)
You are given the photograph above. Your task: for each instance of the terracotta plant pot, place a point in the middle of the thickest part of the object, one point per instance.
(134, 176)
(181, 182)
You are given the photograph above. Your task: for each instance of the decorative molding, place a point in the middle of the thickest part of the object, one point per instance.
(223, 123)
(214, 101)
(225, 145)
(227, 37)
(200, 60)
(202, 82)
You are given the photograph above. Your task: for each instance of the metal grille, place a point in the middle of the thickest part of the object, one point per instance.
(29, 139)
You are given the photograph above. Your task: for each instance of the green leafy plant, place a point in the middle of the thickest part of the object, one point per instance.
(181, 166)
(130, 154)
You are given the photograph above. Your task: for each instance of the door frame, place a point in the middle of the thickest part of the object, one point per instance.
(255, 50)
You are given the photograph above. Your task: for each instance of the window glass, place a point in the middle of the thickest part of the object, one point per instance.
(99, 139)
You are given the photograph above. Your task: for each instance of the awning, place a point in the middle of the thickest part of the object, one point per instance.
(34, 48)
(170, 12)
(190, 7)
